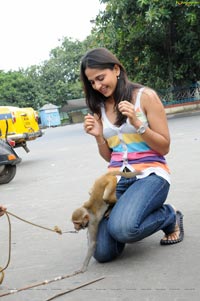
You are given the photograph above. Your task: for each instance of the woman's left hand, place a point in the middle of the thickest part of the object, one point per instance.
(128, 109)
(157, 133)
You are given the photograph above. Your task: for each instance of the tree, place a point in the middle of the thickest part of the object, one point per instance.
(60, 74)
(158, 41)
(54, 81)
(16, 89)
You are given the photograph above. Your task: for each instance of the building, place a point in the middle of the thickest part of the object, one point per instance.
(49, 115)
(74, 111)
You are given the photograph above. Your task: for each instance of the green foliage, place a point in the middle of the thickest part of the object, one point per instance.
(16, 89)
(59, 77)
(55, 81)
(158, 41)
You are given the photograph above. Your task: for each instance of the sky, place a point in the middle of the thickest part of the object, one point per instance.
(30, 29)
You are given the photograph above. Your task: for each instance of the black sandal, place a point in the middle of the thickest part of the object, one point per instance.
(179, 220)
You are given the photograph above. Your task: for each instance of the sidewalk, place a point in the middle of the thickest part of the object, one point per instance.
(182, 109)
(53, 180)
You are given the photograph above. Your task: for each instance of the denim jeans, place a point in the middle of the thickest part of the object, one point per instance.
(139, 212)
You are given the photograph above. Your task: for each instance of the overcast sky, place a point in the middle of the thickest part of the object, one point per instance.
(29, 29)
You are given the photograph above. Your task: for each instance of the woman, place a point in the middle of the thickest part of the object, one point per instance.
(129, 124)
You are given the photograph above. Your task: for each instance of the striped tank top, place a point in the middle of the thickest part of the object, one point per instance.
(128, 149)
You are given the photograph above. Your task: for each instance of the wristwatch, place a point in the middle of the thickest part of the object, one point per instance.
(142, 129)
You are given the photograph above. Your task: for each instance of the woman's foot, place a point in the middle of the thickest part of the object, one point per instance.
(178, 234)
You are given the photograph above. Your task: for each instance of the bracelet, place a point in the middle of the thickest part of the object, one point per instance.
(104, 142)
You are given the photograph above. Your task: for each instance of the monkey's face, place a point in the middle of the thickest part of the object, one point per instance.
(80, 225)
(80, 219)
(77, 226)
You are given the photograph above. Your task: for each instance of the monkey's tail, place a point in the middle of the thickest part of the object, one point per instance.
(129, 174)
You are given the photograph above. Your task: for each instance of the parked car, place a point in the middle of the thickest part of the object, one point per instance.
(22, 125)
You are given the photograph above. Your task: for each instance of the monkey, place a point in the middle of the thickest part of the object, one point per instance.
(102, 195)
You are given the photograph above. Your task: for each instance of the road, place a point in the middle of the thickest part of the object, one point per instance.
(52, 180)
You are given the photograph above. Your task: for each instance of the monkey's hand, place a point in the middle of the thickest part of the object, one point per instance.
(108, 211)
(82, 270)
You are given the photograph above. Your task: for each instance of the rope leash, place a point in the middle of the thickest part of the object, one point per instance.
(56, 229)
(75, 288)
(9, 252)
(14, 291)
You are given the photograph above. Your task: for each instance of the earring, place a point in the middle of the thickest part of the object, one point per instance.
(118, 77)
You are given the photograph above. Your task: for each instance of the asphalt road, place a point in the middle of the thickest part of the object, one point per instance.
(52, 180)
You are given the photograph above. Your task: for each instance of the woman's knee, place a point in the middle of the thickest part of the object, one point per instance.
(107, 248)
(108, 254)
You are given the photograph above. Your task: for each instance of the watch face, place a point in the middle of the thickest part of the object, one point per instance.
(141, 129)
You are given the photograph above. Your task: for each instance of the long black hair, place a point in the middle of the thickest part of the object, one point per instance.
(102, 58)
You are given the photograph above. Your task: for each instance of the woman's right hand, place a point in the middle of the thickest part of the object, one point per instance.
(93, 126)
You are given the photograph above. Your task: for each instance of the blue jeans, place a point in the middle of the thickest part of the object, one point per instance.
(138, 213)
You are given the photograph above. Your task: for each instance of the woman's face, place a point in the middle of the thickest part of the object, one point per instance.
(103, 81)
